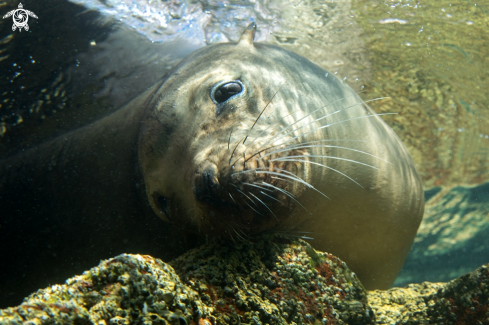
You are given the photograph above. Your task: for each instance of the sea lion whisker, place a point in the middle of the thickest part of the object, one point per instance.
(310, 142)
(232, 154)
(263, 168)
(242, 235)
(247, 171)
(259, 135)
(335, 123)
(294, 177)
(301, 237)
(286, 193)
(328, 167)
(320, 118)
(237, 234)
(271, 197)
(266, 206)
(253, 209)
(260, 170)
(245, 236)
(284, 171)
(302, 118)
(295, 231)
(246, 196)
(321, 156)
(263, 110)
(297, 180)
(302, 143)
(261, 187)
(321, 146)
(284, 180)
(331, 140)
(256, 153)
(300, 109)
(274, 137)
(288, 234)
(257, 186)
(265, 130)
(233, 198)
(299, 145)
(240, 238)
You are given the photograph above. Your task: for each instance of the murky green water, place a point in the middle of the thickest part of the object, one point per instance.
(431, 59)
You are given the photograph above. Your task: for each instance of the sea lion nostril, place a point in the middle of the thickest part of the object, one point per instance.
(162, 203)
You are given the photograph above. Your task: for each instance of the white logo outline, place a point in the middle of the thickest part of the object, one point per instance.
(20, 17)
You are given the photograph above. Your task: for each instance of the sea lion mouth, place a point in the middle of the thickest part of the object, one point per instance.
(249, 194)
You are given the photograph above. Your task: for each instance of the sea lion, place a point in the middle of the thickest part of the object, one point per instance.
(236, 139)
(275, 141)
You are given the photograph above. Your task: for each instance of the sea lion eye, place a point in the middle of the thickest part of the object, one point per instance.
(222, 92)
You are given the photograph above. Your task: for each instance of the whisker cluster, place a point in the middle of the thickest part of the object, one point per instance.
(285, 146)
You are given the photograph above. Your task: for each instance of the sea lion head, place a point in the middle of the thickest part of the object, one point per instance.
(209, 142)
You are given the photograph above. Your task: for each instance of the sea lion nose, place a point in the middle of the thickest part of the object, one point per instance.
(207, 184)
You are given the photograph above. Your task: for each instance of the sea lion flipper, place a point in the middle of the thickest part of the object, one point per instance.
(248, 35)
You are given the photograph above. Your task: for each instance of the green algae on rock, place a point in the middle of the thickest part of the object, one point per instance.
(270, 281)
(464, 300)
(274, 281)
(122, 290)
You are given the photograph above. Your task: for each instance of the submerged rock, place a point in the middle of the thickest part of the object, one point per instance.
(272, 280)
(464, 300)
(121, 290)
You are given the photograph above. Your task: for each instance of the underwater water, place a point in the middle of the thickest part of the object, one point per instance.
(427, 59)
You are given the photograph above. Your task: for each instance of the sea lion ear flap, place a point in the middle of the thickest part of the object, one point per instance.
(248, 36)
